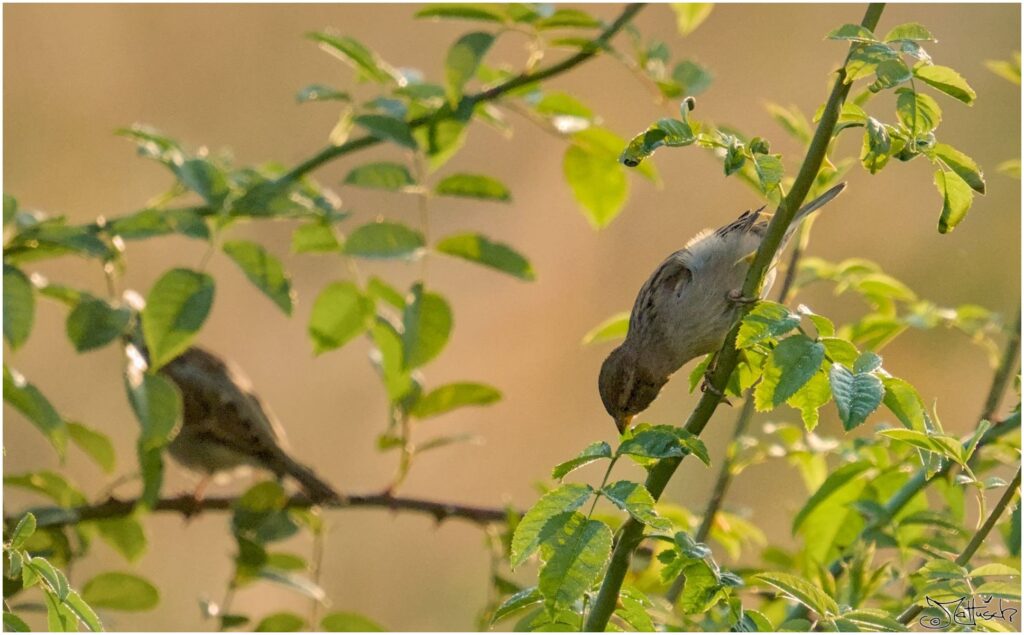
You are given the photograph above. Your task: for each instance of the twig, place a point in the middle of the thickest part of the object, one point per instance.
(632, 532)
(187, 506)
(979, 537)
(469, 101)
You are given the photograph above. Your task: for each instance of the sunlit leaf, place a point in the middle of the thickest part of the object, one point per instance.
(481, 250)
(264, 270)
(452, 396)
(383, 240)
(176, 308)
(340, 313)
(121, 592)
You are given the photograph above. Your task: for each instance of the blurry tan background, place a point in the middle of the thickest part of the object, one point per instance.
(225, 76)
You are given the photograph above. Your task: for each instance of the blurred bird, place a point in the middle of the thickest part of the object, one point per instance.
(686, 308)
(225, 426)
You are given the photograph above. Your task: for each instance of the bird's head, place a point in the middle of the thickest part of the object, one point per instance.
(626, 389)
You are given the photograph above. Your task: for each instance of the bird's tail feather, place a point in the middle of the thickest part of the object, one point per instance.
(818, 202)
(318, 490)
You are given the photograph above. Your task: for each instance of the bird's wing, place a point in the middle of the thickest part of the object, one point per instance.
(749, 221)
(666, 281)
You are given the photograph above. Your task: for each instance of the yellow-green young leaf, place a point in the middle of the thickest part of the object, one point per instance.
(865, 58)
(580, 551)
(356, 55)
(388, 358)
(856, 395)
(14, 624)
(946, 80)
(690, 15)
(26, 399)
(598, 183)
(634, 499)
(387, 128)
(125, 535)
(957, 197)
(568, 18)
(176, 307)
(868, 619)
(593, 452)
(96, 444)
(464, 11)
(767, 320)
(19, 306)
(427, 322)
(702, 590)
(877, 144)
(473, 186)
(340, 313)
(769, 170)
(614, 328)
(383, 240)
(909, 31)
(451, 396)
(315, 237)
(320, 92)
(812, 396)
(481, 250)
(903, 401)
(941, 444)
(917, 111)
(831, 499)
(23, 530)
(853, 32)
(822, 324)
(800, 590)
(283, 622)
(527, 537)
(381, 176)
(517, 602)
(632, 609)
(440, 138)
(652, 442)
(156, 403)
(463, 60)
(890, 73)
(1007, 69)
(1010, 168)
(263, 270)
(120, 592)
(49, 484)
(344, 622)
(692, 78)
(380, 290)
(963, 165)
(791, 365)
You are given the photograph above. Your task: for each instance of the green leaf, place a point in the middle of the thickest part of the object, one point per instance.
(94, 323)
(770, 171)
(874, 620)
(810, 398)
(867, 362)
(690, 15)
(800, 590)
(791, 365)
(125, 535)
(315, 237)
(464, 11)
(517, 602)
(340, 313)
(380, 290)
(481, 250)
(994, 569)
(822, 324)
(876, 147)
(946, 80)
(948, 447)
(389, 359)
(383, 240)
(828, 520)
(49, 484)
(157, 405)
(10, 208)
(865, 57)
(890, 73)
(614, 328)
(856, 395)
(766, 321)
(151, 466)
(581, 550)
(283, 622)
(343, 622)
(121, 592)
(527, 537)
(22, 531)
(918, 112)
(473, 186)
(427, 322)
(591, 453)
(963, 165)
(902, 400)
(956, 199)
(263, 270)
(96, 444)
(1007, 69)
(320, 92)
(159, 222)
(637, 501)
(14, 624)
(692, 78)
(19, 306)
(853, 32)
(452, 396)
(664, 132)
(381, 176)
(176, 308)
(599, 185)
(354, 53)
(702, 590)
(26, 399)
(204, 178)
(463, 60)
(657, 442)
(568, 18)
(387, 129)
(909, 31)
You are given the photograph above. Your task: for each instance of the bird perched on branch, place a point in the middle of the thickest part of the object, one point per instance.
(225, 426)
(686, 308)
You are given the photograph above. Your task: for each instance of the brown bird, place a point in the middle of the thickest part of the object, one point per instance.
(225, 425)
(685, 310)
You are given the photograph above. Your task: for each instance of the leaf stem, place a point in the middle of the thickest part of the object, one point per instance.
(979, 537)
(633, 531)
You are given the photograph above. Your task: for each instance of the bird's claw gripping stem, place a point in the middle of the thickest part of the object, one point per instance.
(707, 386)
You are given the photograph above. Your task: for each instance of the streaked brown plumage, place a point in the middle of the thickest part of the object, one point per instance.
(685, 310)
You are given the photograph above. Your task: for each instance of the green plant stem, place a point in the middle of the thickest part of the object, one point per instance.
(727, 357)
(470, 101)
(187, 506)
(979, 537)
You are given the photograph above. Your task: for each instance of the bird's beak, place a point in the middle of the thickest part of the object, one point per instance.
(622, 423)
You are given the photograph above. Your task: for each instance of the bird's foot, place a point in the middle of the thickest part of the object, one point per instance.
(736, 297)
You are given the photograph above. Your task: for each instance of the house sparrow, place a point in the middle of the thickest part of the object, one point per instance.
(686, 308)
